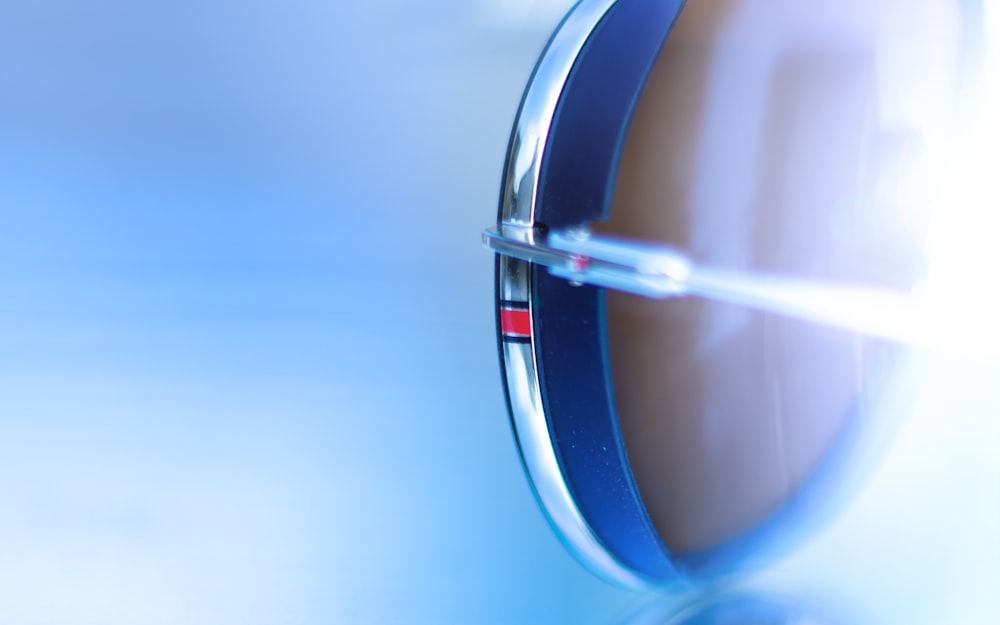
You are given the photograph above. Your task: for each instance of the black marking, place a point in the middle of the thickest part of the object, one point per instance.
(506, 303)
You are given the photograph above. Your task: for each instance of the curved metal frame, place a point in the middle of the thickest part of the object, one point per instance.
(520, 200)
(557, 177)
(517, 212)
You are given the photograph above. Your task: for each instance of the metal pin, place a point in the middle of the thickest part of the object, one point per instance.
(660, 272)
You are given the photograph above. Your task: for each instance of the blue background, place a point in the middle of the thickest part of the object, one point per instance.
(247, 353)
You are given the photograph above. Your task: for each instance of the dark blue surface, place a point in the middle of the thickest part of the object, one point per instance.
(577, 182)
(595, 108)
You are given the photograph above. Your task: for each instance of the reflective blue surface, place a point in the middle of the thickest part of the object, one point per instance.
(236, 388)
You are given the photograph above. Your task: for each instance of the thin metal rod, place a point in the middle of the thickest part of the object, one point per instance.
(661, 272)
(908, 318)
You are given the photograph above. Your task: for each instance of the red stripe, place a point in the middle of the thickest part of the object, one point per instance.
(515, 321)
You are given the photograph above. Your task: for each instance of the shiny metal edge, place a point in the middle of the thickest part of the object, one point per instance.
(517, 211)
(653, 271)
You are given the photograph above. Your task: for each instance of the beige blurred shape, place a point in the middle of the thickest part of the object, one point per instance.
(769, 137)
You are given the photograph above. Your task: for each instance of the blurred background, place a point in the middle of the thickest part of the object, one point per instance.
(247, 353)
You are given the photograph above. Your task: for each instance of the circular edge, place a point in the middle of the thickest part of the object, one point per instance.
(517, 308)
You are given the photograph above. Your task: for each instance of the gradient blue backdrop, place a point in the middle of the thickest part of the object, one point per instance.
(247, 363)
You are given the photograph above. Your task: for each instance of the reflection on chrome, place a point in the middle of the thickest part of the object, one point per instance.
(519, 193)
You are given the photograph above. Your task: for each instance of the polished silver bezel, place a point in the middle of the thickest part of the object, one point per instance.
(645, 269)
(517, 221)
